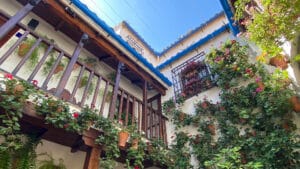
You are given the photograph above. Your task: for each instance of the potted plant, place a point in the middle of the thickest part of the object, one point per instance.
(135, 137)
(279, 61)
(91, 62)
(84, 81)
(296, 103)
(24, 48)
(49, 64)
(87, 118)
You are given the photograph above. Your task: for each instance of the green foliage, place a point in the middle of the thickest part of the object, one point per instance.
(22, 158)
(50, 63)
(230, 63)
(279, 19)
(57, 113)
(157, 152)
(168, 106)
(24, 49)
(12, 100)
(255, 128)
(230, 158)
(50, 164)
(179, 154)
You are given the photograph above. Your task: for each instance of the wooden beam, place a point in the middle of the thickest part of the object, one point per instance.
(11, 23)
(103, 58)
(115, 91)
(104, 45)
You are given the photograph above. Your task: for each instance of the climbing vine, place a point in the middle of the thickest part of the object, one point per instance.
(251, 126)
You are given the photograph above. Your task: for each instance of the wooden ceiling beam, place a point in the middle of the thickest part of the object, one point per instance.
(58, 8)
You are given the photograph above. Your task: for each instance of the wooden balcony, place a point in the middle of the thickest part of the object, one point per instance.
(78, 83)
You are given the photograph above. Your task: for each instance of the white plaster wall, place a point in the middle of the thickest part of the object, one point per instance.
(57, 151)
(123, 31)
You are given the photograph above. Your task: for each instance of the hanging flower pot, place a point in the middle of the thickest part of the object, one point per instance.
(279, 62)
(135, 143)
(123, 137)
(212, 129)
(19, 88)
(23, 48)
(58, 69)
(296, 103)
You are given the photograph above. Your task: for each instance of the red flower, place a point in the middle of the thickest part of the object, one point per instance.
(35, 82)
(8, 76)
(136, 167)
(76, 115)
(66, 126)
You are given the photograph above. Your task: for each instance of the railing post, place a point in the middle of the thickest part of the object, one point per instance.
(144, 108)
(115, 91)
(11, 23)
(159, 109)
(63, 81)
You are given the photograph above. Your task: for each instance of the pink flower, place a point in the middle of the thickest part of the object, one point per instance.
(8, 76)
(258, 79)
(35, 82)
(218, 59)
(75, 115)
(258, 90)
(121, 122)
(227, 51)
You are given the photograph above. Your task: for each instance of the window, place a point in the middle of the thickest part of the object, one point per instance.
(192, 77)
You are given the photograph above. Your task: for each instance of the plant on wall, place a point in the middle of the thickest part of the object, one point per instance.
(278, 21)
(251, 126)
(24, 48)
(13, 95)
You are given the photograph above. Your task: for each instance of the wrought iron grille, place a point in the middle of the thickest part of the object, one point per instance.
(192, 77)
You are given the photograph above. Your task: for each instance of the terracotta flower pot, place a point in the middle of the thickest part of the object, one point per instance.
(23, 49)
(58, 69)
(135, 144)
(279, 62)
(212, 129)
(296, 103)
(123, 137)
(19, 89)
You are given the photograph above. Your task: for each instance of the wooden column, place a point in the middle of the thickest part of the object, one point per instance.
(11, 23)
(63, 81)
(144, 108)
(115, 91)
(159, 112)
(92, 158)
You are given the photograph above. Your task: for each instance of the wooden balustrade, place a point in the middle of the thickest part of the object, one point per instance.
(128, 108)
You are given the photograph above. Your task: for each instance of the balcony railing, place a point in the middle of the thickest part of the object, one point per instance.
(45, 62)
(192, 77)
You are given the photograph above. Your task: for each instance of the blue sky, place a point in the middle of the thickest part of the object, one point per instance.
(159, 22)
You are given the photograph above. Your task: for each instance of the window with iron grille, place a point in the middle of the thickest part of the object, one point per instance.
(192, 77)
